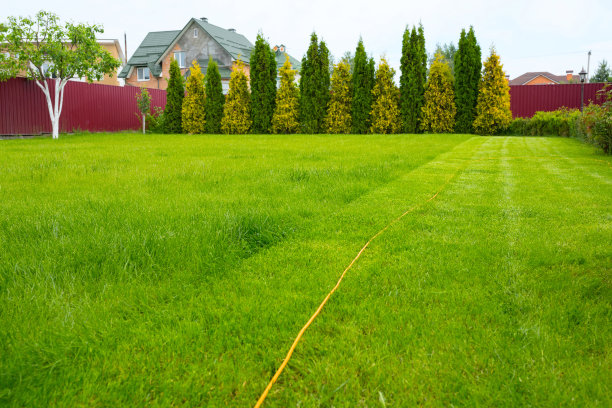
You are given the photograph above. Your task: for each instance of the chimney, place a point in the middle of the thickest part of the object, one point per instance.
(508, 78)
(204, 19)
(231, 30)
(568, 75)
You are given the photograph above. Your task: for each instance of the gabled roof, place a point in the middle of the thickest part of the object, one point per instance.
(151, 48)
(235, 44)
(529, 76)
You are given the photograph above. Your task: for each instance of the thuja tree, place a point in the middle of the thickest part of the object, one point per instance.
(215, 99)
(143, 101)
(412, 80)
(438, 113)
(193, 113)
(314, 86)
(338, 119)
(468, 66)
(362, 84)
(173, 112)
(493, 113)
(385, 114)
(285, 118)
(237, 109)
(263, 85)
(46, 51)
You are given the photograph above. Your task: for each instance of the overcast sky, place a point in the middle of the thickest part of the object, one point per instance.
(530, 35)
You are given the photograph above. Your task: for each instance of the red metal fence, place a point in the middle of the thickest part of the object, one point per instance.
(90, 107)
(99, 108)
(526, 100)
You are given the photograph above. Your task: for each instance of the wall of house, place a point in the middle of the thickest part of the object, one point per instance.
(540, 80)
(114, 80)
(202, 47)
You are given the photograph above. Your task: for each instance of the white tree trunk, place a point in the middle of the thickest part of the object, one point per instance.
(55, 107)
(143, 123)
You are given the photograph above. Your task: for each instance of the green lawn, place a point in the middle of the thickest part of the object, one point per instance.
(176, 271)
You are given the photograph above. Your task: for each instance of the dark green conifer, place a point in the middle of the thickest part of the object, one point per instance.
(362, 84)
(412, 96)
(468, 68)
(263, 85)
(175, 93)
(314, 87)
(214, 98)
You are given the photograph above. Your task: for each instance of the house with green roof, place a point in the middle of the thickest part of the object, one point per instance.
(200, 41)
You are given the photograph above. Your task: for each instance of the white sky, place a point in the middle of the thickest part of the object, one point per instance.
(531, 35)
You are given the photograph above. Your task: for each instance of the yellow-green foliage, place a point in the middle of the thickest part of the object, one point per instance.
(237, 109)
(493, 113)
(338, 119)
(193, 104)
(385, 104)
(285, 118)
(438, 113)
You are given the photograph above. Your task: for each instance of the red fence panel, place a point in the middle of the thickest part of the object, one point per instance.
(526, 100)
(87, 107)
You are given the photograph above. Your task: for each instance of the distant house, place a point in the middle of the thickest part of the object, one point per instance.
(200, 41)
(544, 78)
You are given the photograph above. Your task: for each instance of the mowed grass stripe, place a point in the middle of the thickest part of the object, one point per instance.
(460, 309)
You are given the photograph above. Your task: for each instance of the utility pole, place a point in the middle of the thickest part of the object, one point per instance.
(125, 46)
(588, 65)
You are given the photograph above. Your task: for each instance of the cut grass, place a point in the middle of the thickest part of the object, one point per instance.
(176, 270)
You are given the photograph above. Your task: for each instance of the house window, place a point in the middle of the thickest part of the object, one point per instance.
(179, 56)
(225, 87)
(195, 33)
(143, 74)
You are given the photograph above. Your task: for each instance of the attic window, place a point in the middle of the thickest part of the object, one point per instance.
(195, 33)
(143, 74)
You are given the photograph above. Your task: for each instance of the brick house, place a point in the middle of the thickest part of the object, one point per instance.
(544, 78)
(199, 40)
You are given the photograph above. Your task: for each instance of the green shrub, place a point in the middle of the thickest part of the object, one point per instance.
(155, 120)
(597, 122)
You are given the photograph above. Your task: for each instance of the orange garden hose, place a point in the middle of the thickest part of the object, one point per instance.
(316, 313)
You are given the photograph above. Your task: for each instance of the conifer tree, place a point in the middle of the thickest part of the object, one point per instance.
(493, 113)
(468, 66)
(285, 119)
(193, 104)
(385, 101)
(338, 119)
(414, 68)
(263, 85)
(438, 113)
(214, 98)
(237, 109)
(173, 122)
(362, 84)
(314, 86)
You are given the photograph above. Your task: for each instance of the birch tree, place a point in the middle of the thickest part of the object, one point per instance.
(49, 52)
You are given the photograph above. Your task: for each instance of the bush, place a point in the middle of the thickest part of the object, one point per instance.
(193, 114)
(593, 126)
(493, 115)
(155, 121)
(597, 122)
